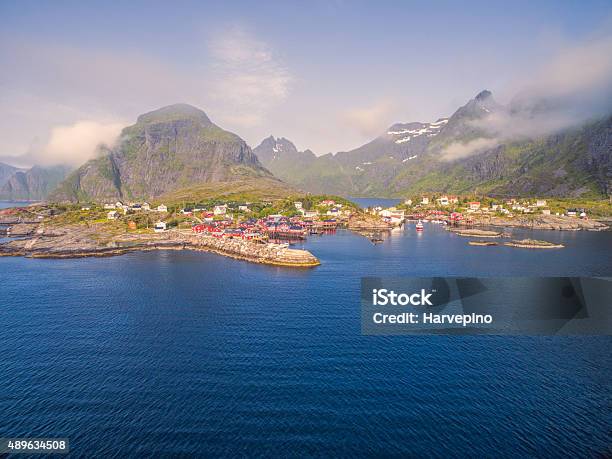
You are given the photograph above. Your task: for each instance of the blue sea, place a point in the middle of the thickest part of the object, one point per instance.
(185, 353)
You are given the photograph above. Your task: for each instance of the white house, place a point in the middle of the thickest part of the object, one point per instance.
(109, 206)
(160, 227)
(408, 202)
(425, 200)
(112, 215)
(118, 205)
(162, 208)
(85, 208)
(146, 206)
(243, 208)
(310, 213)
(541, 203)
(546, 211)
(220, 210)
(393, 215)
(298, 205)
(475, 205)
(443, 200)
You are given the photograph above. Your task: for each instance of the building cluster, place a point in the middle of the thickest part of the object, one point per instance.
(391, 215)
(115, 208)
(508, 207)
(271, 227)
(227, 219)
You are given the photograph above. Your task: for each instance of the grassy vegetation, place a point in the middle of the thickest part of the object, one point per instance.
(249, 189)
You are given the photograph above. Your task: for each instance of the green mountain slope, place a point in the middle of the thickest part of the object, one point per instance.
(175, 147)
(411, 158)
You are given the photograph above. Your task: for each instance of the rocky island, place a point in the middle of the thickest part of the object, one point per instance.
(533, 244)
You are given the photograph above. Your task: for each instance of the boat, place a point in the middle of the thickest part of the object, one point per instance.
(419, 226)
(376, 238)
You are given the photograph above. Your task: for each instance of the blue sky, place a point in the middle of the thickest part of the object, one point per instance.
(328, 75)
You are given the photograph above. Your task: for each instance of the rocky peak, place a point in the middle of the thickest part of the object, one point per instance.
(272, 148)
(483, 95)
(174, 112)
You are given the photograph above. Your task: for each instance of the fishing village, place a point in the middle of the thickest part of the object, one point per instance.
(263, 232)
(230, 229)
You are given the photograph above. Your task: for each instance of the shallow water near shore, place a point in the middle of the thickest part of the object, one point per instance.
(194, 353)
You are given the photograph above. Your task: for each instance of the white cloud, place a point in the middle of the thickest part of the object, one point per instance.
(458, 150)
(74, 144)
(247, 79)
(572, 87)
(371, 120)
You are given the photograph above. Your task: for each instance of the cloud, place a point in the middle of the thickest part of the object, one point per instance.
(572, 87)
(60, 92)
(458, 150)
(369, 121)
(247, 77)
(77, 143)
(580, 70)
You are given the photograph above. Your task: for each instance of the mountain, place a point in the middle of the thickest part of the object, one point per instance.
(33, 184)
(174, 147)
(6, 172)
(302, 169)
(434, 157)
(575, 162)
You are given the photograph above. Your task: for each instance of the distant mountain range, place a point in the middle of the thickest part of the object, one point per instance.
(174, 148)
(29, 184)
(176, 152)
(6, 172)
(417, 157)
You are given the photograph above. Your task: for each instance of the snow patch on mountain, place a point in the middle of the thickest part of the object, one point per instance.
(428, 129)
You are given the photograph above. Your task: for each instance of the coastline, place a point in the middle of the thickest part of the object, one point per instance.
(78, 242)
(542, 222)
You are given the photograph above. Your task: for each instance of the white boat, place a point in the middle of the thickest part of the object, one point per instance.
(419, 226)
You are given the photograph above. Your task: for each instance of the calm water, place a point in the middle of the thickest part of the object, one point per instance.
(7, 204)
(176, 353)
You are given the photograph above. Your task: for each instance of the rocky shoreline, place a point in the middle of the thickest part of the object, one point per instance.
(543, 222)
(87, 241)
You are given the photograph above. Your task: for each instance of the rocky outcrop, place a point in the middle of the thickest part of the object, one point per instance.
(533, 244)
(93, 241)
(476, 233)
(544, 222)
(365, 222)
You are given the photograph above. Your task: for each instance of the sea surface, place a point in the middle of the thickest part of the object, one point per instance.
(184, 353)
(7, 204)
